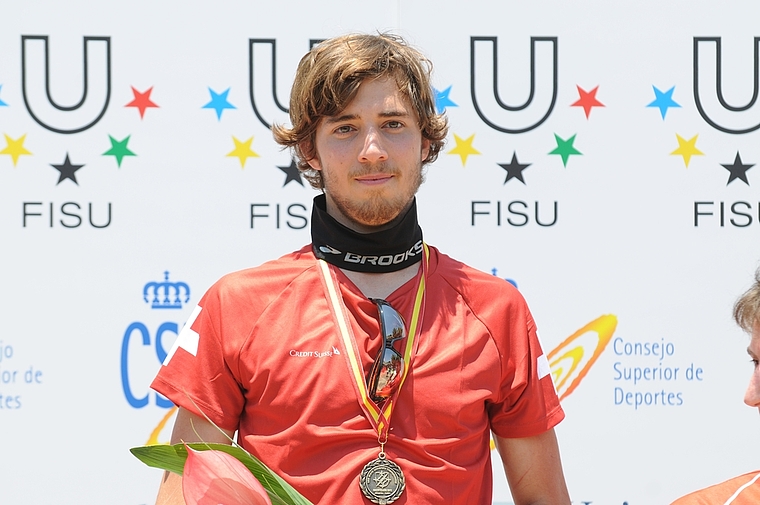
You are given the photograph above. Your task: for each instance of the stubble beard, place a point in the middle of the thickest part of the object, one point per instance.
(379, 208)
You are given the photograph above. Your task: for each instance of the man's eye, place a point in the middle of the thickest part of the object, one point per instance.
(395, 124)
(343, 129)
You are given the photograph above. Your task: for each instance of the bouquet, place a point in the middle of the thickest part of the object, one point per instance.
(216, 474)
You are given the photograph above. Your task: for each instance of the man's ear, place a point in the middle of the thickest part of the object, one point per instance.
(306, 149)
(425, 149)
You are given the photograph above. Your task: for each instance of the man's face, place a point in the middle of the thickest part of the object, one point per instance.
(752, 396)
(370, 156)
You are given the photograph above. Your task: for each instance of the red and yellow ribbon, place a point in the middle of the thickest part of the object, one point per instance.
(380, 418)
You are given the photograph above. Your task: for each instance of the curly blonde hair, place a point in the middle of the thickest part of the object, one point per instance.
(328, 78)
(747, 307)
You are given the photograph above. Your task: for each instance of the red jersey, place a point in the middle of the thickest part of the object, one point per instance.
(262, 355)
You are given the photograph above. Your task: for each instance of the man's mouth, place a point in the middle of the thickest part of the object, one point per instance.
(377, 178)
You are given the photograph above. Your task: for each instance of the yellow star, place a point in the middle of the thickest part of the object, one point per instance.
(687, 148)
(15, 148)
(243, 151)
(464, 147)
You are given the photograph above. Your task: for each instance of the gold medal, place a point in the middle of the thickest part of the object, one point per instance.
(381, 480)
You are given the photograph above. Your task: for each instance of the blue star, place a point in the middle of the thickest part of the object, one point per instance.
(219, 102)
(2, 104)
(663, 101)
(442, 100)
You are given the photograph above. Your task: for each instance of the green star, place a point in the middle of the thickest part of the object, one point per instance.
(565, 148)
(119, 149)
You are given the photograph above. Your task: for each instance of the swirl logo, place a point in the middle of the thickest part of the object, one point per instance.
(572, 359)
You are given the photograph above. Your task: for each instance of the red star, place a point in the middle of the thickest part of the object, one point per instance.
(142, 100)
(587, 100)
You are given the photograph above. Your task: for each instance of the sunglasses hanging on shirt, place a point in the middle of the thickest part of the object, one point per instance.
(388, 368)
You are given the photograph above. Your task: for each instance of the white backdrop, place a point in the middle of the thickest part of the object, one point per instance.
(613, 215)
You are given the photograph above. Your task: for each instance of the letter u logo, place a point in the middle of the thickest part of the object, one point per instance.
(35, 85)
(541, 98)
(708, 90)
(266, 109)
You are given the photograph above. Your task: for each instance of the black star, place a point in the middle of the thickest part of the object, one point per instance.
(67, 170)
(514, 169)
(292, 172)
(738, 170)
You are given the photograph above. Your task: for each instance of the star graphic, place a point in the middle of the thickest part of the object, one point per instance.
(464, 147)
(442, 100)
(738, 170)
(67, 170)
(142, 100)
(565, 148)
(587, 100)
(292, 173)
(687, 149)
(119, 149)
(15, 148)
(243, 151)
(514, 169)
(219, 102)
(663, 101)
(2, 104)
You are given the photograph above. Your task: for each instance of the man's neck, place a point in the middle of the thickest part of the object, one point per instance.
(374, 285)
(378, 262)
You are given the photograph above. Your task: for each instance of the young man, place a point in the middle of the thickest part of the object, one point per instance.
(744, 489)
(368, 367)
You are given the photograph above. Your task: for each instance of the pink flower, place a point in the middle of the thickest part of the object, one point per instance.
(216, 478)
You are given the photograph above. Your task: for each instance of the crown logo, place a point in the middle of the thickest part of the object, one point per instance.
(166, 290)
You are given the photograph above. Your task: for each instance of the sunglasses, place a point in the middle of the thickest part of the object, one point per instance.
(388, 368)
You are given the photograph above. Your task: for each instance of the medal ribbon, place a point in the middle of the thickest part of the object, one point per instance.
(379, 417)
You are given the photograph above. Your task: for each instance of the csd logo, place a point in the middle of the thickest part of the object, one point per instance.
(139, 343)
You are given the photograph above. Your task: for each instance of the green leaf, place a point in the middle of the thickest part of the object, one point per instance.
(164, 457)
(172, 458)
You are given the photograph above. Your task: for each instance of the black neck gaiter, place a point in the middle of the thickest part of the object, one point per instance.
(384, 251)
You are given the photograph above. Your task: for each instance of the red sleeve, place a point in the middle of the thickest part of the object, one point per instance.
(196, 374)
(528, 403)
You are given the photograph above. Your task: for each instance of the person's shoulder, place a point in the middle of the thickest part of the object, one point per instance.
(233, 304)
(472, 284)
(268, 278)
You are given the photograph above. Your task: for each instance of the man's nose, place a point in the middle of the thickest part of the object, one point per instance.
(373, 150)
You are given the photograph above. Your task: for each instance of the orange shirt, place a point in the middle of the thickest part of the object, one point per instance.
(741, 490)
(263, 356)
